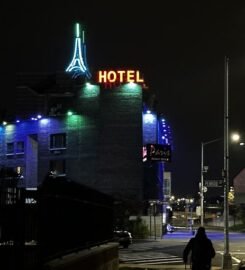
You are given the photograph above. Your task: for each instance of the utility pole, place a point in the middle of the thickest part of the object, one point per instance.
(227, 261)
(202, 186)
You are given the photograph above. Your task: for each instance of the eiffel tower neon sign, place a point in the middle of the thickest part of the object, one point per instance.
(78, 65)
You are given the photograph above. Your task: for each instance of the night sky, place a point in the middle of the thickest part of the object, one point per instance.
(179, 47)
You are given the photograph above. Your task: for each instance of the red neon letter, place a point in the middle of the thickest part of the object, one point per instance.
(121, 74)
(130, 76)
(138, 79)
(111, 76)
(102, 76)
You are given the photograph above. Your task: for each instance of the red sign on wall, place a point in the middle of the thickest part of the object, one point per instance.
(158, 152)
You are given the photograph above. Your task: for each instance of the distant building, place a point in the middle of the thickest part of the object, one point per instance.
(239, 188)
(167, 185)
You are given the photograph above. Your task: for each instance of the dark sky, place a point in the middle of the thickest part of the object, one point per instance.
(179, 46)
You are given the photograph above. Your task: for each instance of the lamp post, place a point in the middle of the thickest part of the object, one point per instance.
(227, 261)
(153, 212)
(202, 177)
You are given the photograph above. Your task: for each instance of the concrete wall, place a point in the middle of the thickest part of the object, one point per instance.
(104, 257)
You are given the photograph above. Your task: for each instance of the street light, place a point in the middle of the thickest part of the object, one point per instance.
(202, 177)
(227, 261)
(235, 137)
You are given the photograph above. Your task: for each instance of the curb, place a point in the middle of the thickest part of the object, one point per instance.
(158, 267)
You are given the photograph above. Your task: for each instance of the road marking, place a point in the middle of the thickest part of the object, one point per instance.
(152, 260)
(233, 258)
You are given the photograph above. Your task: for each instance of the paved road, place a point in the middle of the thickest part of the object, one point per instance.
(167, 252)
(236, 242)
(148, 252)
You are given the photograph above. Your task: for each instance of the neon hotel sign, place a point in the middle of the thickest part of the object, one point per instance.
(119, 76)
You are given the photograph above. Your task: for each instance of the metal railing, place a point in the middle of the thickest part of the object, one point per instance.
(58, 218)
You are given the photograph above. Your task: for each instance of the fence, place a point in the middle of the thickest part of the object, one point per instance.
(58, 218)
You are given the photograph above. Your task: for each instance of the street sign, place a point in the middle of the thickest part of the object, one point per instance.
(214, 183)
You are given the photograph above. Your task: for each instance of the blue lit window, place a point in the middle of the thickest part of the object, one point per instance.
(20, 147)
(58, 141)
(10, 148)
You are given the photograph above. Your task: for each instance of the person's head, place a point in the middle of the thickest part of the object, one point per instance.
(201, 232)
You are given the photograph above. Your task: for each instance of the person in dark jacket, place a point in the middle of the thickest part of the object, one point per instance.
(201, 249)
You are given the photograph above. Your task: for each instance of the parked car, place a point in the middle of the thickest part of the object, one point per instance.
(170, 228)
(124, 238)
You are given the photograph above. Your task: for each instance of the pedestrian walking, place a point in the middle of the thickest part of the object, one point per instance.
(200, 250)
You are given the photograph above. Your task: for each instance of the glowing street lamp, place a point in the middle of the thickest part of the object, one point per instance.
(235, 137)
(203, 170)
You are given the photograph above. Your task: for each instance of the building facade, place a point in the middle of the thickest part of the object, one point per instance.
(67, 124)
(92, 142)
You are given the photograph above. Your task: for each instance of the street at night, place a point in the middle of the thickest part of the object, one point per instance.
(122, 120)
(168, 250)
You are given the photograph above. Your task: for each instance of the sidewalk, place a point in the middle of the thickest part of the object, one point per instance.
(158, 267)
(179, 234)
(216, 265)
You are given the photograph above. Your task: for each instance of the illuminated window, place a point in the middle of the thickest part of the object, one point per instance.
(19, 170)
(57, 167)
(144, 153)
(20, 147)
(58, 141)
(10, 148)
